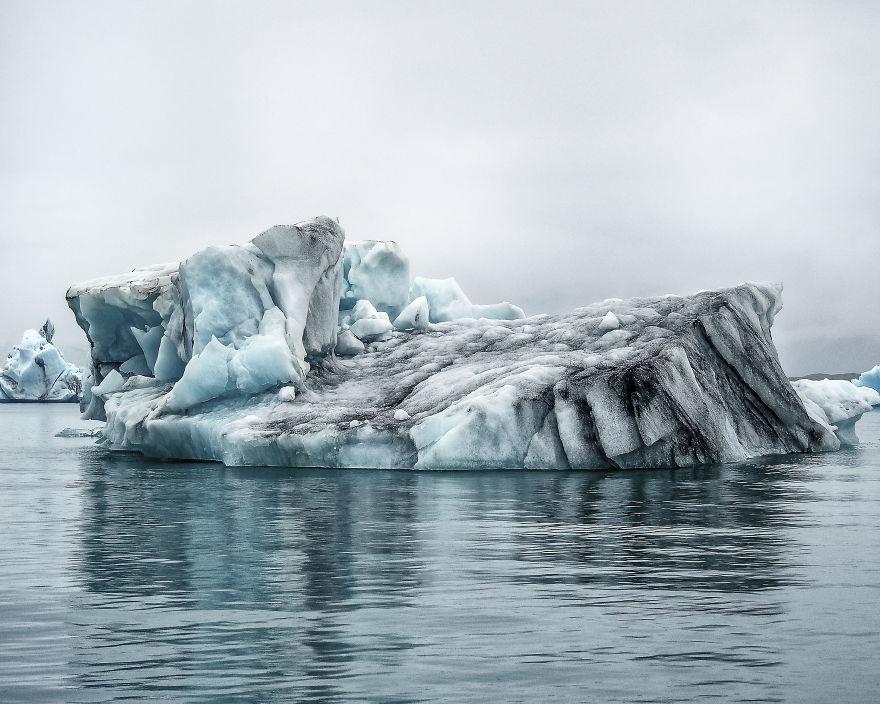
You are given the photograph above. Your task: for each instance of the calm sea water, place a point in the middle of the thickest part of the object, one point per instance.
(129, 579)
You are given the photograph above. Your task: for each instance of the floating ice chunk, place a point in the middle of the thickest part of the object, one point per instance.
(354, 424)
(401, 415)
(415, 316)
(869, 379)
(609, 322)
(837, 404)
(347, 344)
(78, 433)
(837, 397)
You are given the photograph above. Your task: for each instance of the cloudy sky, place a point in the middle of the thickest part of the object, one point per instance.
(551, 154)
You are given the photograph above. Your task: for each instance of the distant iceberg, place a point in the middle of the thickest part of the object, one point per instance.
(869, 379)
(300, 349)
(35, 370)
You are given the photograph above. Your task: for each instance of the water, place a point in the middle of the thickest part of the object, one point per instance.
(129, 579)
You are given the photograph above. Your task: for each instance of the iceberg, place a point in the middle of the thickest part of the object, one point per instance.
(837, 404)
(35, 370)
(78, 433)
(869, 379)
(299, 349)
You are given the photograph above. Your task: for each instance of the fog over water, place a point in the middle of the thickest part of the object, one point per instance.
(552, 155)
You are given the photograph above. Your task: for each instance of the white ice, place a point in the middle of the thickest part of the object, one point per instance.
(415, 316)
(836, 403)
(378, 289)
(446, 301)
(35, 370)
(347, 344)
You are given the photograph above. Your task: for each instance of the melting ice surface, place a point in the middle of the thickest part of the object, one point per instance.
(302, 349)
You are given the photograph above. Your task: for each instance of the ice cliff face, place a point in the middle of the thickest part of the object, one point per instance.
(228, 320)
(299, 350)
(35, 370)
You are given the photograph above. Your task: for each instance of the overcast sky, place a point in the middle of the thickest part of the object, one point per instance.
(547, 153)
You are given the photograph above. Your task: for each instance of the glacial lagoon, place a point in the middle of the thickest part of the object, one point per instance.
(124, 578)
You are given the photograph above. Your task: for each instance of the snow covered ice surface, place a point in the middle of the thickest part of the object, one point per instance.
(837, 403)
(35, 370)
(301, 350)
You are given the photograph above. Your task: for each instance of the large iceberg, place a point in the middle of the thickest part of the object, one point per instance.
(35, 370)
(301, 350)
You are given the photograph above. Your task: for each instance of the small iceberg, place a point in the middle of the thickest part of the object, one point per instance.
(836, 403)
(78, 433)
(35, 370)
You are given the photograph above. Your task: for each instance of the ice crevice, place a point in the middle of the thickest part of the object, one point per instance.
(303, 349)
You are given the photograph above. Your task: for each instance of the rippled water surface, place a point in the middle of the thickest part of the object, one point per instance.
(129, 579)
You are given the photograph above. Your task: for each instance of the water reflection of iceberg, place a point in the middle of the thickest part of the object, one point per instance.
(206, 564)
(701, 529)
(325, 583)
